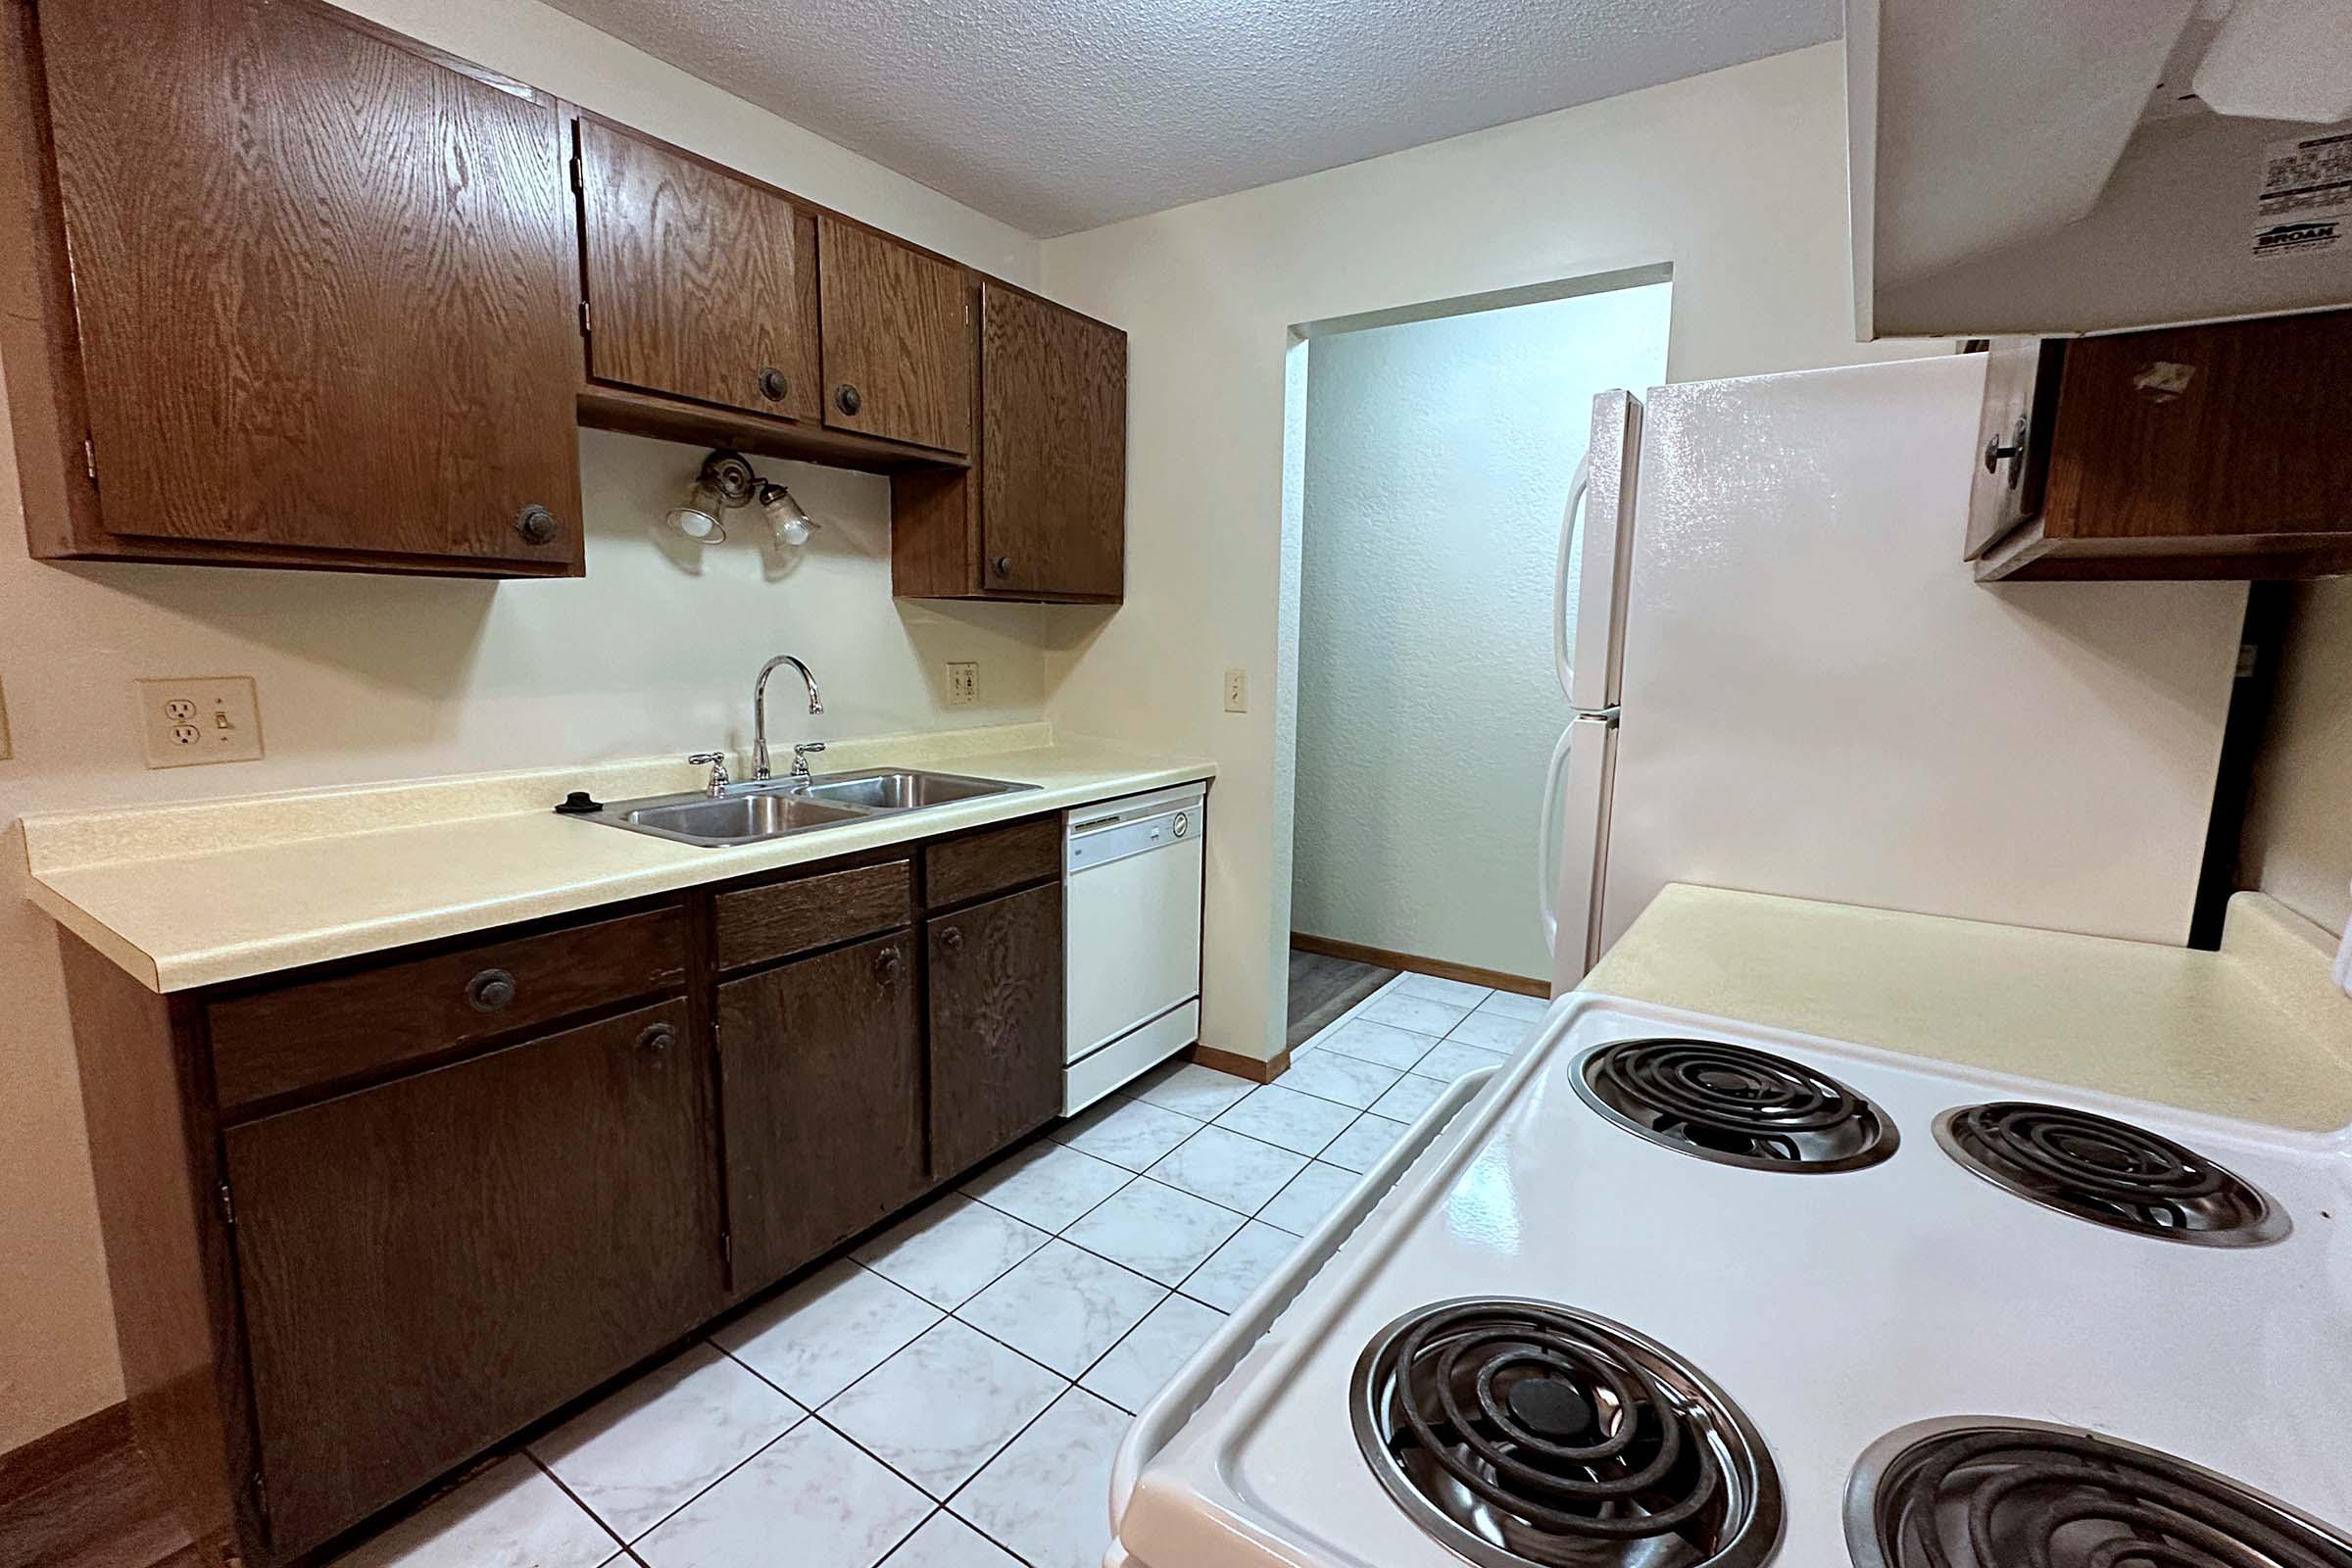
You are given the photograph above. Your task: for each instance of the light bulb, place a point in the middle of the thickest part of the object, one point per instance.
(694, 524)
(792, 525)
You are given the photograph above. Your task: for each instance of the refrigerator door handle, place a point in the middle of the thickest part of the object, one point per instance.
(1547, 842)
(1563, 575)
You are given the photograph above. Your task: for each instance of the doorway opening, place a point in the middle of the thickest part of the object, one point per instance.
(1429, 459)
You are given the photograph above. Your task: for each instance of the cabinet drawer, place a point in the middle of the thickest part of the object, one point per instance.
(813, 911)
(313, 1033)
(991, 860)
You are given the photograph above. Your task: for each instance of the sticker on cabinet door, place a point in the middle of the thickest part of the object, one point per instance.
(2306, 195)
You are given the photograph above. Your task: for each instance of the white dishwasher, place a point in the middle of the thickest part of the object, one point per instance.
(1131, 945)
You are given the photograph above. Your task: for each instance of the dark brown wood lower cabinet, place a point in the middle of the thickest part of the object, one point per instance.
(995, 1025)
(430, 1264)
(821, 1064)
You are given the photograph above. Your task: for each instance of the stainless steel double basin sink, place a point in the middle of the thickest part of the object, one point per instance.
(759, 810)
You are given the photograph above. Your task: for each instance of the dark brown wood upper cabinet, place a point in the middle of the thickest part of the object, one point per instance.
(1043, 512)
(555, 1201)
(322, 280)
(1054, 435)
(995, 1025)
(700, 283)
(822, 1067)
(2190, 452)
(898, 339)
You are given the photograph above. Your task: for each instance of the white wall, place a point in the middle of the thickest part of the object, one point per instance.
(1437, 456)
(1736, 179)
(372, 678)
(2298, 839)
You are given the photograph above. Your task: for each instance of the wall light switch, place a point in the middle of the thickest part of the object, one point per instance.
(206, 718)
(963, 683)
(1237, 690)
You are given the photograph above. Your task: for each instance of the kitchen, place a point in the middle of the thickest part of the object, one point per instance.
(1738, 175)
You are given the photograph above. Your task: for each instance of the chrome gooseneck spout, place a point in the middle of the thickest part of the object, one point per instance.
(816, 705)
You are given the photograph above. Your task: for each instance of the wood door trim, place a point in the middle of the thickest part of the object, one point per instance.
(1257, 1069)
(1415, 963)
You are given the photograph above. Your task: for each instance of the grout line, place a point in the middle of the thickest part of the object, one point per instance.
(578, 1501)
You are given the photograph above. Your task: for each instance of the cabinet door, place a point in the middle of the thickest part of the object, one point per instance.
(320, 280)
(821, 1075)
(995, 1025)
(429, 1264)
(1054, 437)
(700, 284)
(898, 337)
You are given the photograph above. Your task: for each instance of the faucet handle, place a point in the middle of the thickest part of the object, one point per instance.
(800, 757)
(718, 763)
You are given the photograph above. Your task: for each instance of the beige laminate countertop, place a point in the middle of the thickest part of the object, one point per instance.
(186, 896)
(2256, 1031)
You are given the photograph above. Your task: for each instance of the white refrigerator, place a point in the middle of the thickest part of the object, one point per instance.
(1782, 677)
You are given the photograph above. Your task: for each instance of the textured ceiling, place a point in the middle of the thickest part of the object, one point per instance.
(1059, 115)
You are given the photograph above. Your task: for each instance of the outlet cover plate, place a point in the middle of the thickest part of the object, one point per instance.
(187, 721)
(964, 682)
(1237, 690)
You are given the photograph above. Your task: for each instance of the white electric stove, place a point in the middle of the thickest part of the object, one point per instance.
(1634, 1299)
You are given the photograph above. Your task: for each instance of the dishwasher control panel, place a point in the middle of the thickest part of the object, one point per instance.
(1097, 837)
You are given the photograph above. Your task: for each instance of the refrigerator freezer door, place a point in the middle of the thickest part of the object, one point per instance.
(1820, 700)
(1577, 843)
(1592, 657)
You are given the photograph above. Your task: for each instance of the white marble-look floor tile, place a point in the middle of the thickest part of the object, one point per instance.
(938, 1408)
(1492, 1031)
(1047, 1183)
(1455, 1057)
(1287, 1119)
(1511, 1004)
(1063, 1306)
(1424, 1015)
(1044, 1497)
(1141, 1364)
(1360, 1147)
(1226, 1168)
(947, 1542)
(1192, 1089)
(810, 1498)
(828, 1331)
(1342, 1079)
(1235, 1269)
(1127, 1132)
(1312, 1194)
(1156, 1230)
(1411, 1096)
(1458, 992)
(948, 1252)
(510, 1516)
(637, 1454)
(1382, 1042)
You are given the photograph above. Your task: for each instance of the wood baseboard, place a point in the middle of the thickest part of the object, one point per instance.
(71, 1448)
(1415, 963)
(1254, 1068)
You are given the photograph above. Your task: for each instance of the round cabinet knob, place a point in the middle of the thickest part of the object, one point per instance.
(886, 966)
(846, 398)
(656, 1039)
(1003, 565)
(773, 384)
(535, 523)
(951, 938)
(490, 990)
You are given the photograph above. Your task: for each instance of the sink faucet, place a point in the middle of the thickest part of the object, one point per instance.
(816, 705)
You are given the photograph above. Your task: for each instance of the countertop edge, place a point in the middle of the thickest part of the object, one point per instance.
(199, 967)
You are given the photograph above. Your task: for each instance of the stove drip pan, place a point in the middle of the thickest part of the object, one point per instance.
(2109, 1172)
(1520, 1433)
(1988, 1491)
(1734, 1104)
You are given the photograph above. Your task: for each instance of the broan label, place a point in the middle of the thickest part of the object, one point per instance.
(2294, 239)
(2306, 195)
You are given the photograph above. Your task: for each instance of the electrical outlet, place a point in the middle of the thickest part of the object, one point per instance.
(963, 683)
(1237, 690)
(5, 751)
(205, 718)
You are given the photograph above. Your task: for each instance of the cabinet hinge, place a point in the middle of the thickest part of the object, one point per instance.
(579, 181)
(726, 1245)
(583, 318)
(89, 458)
(261, 1494)
(228, 1205)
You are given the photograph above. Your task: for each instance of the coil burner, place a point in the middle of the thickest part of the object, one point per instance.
(1734, 1104)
